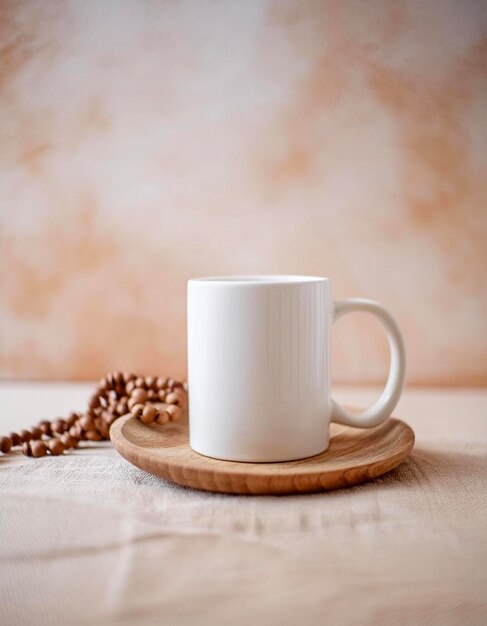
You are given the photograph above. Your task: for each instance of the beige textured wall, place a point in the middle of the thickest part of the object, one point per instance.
(142, 143)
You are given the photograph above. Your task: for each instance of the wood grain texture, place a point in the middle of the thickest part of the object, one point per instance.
(354, 456)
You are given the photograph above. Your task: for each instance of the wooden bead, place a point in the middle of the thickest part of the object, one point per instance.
(16, 439)
(163, 417)
(183, 401)
(94, 402)
(139, 395)
(108, 418)
(93, 435)
(56, 446)
(120, 390)
(5, 444)
(38, 449)
(104, 430)
(149, 398)
(76, 431)
(25, 435)
(129, 387)
(45, 427)
(122, 406)
(68, 441)
(175, 412)
(72, 419)
(150, 382)
(173, 398)
(36, 432)
(137, 410)
(161, 383)
(149, 414)
(87, 422)
(170, 397)
(59, 426)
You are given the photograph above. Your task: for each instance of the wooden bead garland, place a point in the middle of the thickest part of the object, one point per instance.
(148, 398)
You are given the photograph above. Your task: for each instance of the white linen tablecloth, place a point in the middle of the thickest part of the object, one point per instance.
(88, 539)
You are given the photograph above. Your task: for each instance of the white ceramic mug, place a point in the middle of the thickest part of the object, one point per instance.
(259, 373)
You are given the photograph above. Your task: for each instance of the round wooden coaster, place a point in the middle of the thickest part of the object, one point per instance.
(354, 456)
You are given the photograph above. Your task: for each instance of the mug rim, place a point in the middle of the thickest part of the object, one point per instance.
(262, 279)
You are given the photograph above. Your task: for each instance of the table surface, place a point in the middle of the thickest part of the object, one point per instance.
(87, 538)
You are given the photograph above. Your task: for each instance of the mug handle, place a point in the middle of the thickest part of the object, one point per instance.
(384, 406)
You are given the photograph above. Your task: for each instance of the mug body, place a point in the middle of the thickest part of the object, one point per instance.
(258, 367)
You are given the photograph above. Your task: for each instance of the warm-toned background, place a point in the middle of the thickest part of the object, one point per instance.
(143, 142)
